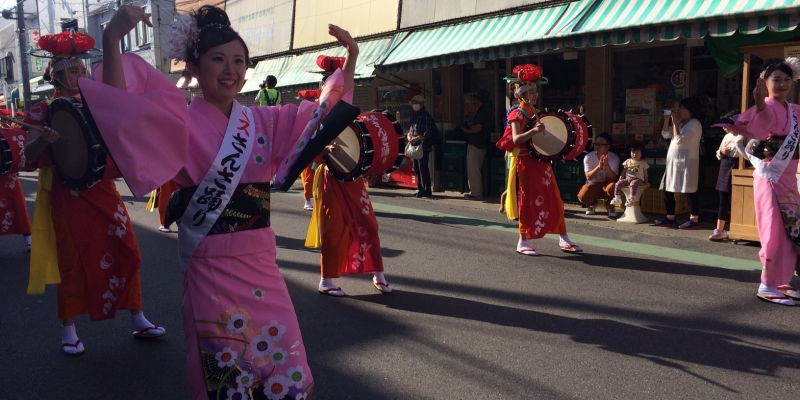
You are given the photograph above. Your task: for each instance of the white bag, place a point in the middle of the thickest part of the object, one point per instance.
(414, 152)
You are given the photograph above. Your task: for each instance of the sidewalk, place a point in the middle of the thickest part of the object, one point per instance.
(574, 213)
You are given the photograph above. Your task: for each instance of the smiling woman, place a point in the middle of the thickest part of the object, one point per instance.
(241, 331)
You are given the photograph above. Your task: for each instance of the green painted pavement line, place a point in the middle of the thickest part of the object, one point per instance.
(692, 257)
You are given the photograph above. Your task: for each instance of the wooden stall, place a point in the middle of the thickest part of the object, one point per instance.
(743, 219)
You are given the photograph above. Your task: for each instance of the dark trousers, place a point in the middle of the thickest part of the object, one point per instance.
(724, 212)
(692, 198)
(423, 174)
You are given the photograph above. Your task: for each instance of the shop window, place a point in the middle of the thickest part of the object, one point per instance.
(142, 32)
(566, 87)
(124, 44)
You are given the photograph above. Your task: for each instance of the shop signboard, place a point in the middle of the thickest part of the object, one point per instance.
(640, 111)
(791, 51)
(359, 17)
(265, 25)
(421, 12)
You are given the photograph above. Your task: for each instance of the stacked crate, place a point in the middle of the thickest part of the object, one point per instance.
(570, 178)
(496, 176)
(454, 166)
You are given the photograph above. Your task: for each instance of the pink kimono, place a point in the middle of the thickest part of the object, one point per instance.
(777, 204)
(240, 327)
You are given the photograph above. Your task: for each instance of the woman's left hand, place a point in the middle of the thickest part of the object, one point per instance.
(123, 21)
(343, 37)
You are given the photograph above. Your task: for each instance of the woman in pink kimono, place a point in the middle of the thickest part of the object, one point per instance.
(242, 335)
(772, 122)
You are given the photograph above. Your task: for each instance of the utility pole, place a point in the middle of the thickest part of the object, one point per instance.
(23, 56)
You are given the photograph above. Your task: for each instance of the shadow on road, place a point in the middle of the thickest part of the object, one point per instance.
(658, 343)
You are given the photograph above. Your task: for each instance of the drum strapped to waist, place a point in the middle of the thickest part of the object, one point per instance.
(767, 148)
(372, 144)
(81, 161)
(248, 208)
(565, 137)
(12, 144)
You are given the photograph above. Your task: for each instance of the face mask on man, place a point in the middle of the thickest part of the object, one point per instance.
(416, 107)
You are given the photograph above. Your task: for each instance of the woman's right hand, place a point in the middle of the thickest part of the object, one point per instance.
(123, 21)
(760, 91)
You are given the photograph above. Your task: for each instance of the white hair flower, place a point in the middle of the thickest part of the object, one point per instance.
(794, 64)
(183, 33)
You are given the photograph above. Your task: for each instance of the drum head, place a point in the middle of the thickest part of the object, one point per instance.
(554, 139)
(71, 154)
(346, 160)
(80, 160)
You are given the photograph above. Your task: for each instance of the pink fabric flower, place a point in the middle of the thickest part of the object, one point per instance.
(182, 33)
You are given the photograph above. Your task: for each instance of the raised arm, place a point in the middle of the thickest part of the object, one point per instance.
(123, 21)
(349, 68)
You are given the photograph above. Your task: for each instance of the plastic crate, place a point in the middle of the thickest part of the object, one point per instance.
(454, 165)
(654, 174)
(453, 181)
(653, 202)
(454, 149)
(569, 172)
(569, 191)
(497, 187)
(498, 167)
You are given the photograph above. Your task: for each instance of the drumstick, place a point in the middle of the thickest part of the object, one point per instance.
(24, 124)
(36, 128)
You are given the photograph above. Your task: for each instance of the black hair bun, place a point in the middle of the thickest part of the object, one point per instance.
(210, 15)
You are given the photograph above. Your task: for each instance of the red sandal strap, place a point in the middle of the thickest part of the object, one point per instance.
(71, 345)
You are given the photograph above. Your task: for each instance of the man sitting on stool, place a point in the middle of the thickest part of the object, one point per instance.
(601, 169)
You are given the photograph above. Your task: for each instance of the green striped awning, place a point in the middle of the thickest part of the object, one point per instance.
(297, 74)
(263, 68)
(637, 21)
(584, 23)
(502, 36)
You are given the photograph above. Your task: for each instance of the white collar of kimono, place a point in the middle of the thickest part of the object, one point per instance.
(773, 170)
(214, 193)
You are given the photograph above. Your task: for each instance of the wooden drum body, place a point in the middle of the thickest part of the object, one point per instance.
(372, 144)
(12, 145)
(565, 137)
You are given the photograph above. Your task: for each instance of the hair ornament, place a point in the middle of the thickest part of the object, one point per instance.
(794, 64)
(183, 33)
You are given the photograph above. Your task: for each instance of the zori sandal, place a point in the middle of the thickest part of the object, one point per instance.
(73, 349)
(151, 331)
(571, 248)
(382, 287)
(782, 299)
(335, 292)
(789, 291)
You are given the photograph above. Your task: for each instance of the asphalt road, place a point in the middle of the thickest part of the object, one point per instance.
(645, 312)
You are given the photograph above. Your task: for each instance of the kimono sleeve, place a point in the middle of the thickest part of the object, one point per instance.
(146, 127)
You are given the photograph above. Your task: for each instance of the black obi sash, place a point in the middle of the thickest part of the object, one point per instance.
(767, 148)
(247, 209)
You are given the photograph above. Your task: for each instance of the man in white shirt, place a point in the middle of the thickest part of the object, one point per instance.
(601, 169)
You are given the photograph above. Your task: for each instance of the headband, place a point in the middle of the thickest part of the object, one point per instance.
(523, 88)
(60, 64)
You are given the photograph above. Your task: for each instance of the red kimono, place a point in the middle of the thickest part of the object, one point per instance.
(541, 210)
(98, 256)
